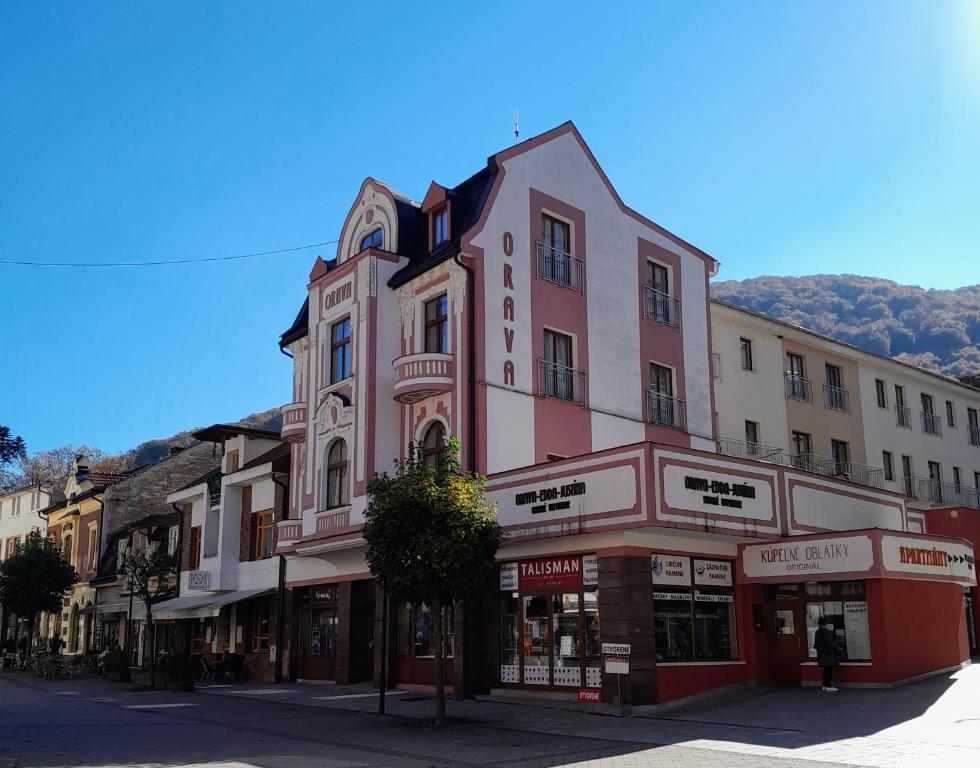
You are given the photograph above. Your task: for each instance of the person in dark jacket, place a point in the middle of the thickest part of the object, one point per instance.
(825, 643)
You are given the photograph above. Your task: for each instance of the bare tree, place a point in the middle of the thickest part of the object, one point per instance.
(150, 577)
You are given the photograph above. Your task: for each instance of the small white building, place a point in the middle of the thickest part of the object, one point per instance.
(18, 519)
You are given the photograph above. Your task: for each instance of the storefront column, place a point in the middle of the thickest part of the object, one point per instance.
(626, 616)
(342, 664)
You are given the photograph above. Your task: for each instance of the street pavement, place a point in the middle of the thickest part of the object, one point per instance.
(87, 722)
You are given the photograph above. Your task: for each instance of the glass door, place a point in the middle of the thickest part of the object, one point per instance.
(537, 640)
(566, 639)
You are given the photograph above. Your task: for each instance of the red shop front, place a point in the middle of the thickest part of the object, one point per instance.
(549, 623)
(895, 600)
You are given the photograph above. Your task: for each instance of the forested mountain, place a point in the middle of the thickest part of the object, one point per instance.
(938, 330)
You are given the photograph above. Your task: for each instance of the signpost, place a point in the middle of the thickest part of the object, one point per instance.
(616, 661)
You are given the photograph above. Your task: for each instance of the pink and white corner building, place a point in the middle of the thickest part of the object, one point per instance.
(565, 339)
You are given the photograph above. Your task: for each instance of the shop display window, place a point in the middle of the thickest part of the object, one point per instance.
(714, 626)
(323, 632)
(673, 632)
(414, 632)
(537, 641)
(692, 622)
(510, 638)
(565, 610)
(593, 644)
(842, 603)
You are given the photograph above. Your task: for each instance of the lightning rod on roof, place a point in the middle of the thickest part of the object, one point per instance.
(517, 127)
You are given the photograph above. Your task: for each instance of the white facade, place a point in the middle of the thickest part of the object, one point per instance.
(19, 516)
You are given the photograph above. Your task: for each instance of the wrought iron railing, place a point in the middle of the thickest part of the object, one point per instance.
(903, 416)
(939, 492)
(661, 307)
(561, 382)
(665, 410)
(836, 398)
(746, 449)
(931, 423)
(847, 470)
(798, 387)
(560, 267)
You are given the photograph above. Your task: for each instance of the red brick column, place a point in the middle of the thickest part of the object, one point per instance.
(626, 616)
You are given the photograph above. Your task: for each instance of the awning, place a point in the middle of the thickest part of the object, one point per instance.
(202, 606)
(121, 606)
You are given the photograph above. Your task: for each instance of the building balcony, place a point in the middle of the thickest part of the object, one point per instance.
(293, 423)
(562, 382)
(798, 388)
(560, 267)
(666, 411)
(931, 424)
(288, 532)
(903, 417)
(808, 462)
(661, 307)
(836, 398)
(745, 449)
(937, 492)
(423, 375)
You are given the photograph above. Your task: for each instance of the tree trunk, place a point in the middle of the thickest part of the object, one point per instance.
(152, 629)
(30, 636)
(438, 659)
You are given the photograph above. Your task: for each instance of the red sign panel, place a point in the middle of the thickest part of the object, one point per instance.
(559, 572)
(589, 696)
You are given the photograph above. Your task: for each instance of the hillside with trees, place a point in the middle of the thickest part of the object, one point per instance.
(934, 329)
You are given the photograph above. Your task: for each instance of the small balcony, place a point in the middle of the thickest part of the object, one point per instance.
(797, 387)
(903, 417)
(836, 398)
(666, 411)
(744, 449)
(423, 375)
(931, 424)
(560, 267)
(862, 474)
(937, 492)
(293, 423)
(974, 434)
(288, 531)
(562, 382)
(661, 307)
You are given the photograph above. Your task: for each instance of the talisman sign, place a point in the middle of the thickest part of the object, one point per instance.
(561, 571)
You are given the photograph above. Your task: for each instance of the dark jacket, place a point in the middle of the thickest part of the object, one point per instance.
(825, 641)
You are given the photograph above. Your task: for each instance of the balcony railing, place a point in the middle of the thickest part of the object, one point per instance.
(422, 374)
(665, 410)
(798, 387)
(931, 424)
(938, 492)
(836, 398)
(848, 470)
(560, 267)
(214, 499)
(974, 434)
(903, 416)
(293, 428)
(661, 307)
(745, 449)
(561, 382)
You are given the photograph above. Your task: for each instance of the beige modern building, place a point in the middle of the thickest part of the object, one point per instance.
(787, 395)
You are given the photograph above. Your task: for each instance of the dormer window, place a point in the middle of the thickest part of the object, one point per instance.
(373, 239)
(440, 227)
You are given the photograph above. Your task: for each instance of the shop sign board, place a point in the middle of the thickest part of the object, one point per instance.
(716, 573)
(856, 635)
(929, 557)
(508, 577)
(558, 572)
(705, 490)
(617, 665)
(672, 596)
(670, 569)
(616, 649)
(590, 571)
(711, 597)
(809, 558)
(589, 696)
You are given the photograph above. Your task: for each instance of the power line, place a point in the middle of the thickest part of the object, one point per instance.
(11, 262)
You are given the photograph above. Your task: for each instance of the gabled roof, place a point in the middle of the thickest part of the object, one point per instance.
(217, 433)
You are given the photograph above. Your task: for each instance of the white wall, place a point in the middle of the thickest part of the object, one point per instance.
(744, 395)
(561, 169)
(26, 520)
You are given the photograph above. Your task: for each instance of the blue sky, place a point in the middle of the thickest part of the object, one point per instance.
(782, 138)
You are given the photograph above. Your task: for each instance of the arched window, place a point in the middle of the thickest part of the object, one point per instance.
(432, 442)
(336, 473)
(373, 239)
(66, 548)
